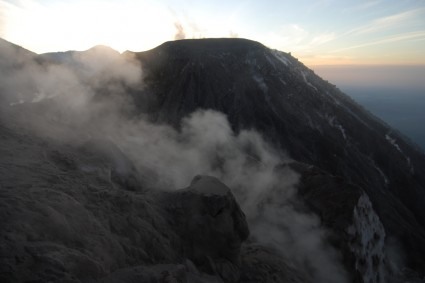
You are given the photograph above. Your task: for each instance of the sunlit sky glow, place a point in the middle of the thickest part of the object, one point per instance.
(320, 32)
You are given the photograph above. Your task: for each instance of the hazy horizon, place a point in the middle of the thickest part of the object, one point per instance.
(395, 94)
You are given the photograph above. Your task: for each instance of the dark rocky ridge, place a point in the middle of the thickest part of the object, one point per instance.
(311, 119)
(82, 212)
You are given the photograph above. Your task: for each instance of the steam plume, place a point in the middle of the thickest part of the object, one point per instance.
(87, 99)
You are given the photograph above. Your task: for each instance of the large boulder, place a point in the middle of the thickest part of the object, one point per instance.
(211, 224)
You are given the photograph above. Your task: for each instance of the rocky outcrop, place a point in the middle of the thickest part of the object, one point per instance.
(367, 242)
(211, 225)
(355, 228)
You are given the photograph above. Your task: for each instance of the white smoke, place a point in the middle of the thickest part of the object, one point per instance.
(180, 33)
(258, 174)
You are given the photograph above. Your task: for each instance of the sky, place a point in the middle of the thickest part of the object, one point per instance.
(317, 32)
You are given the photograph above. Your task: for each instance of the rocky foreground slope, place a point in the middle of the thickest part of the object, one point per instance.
(99, 153)
(68, 214)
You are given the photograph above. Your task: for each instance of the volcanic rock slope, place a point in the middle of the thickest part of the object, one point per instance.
(82, 211)
(305, 116)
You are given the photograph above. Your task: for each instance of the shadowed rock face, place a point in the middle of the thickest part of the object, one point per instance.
(211, 224)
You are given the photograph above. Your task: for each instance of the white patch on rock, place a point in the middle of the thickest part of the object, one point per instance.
(382, 174)
(334, 123)
(367, 242)
(307, 82)
(281, 57)
(394, 143)
(379, 171)
(342, 130)
(282, 81)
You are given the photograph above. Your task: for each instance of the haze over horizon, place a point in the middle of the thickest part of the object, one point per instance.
(320, 32)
